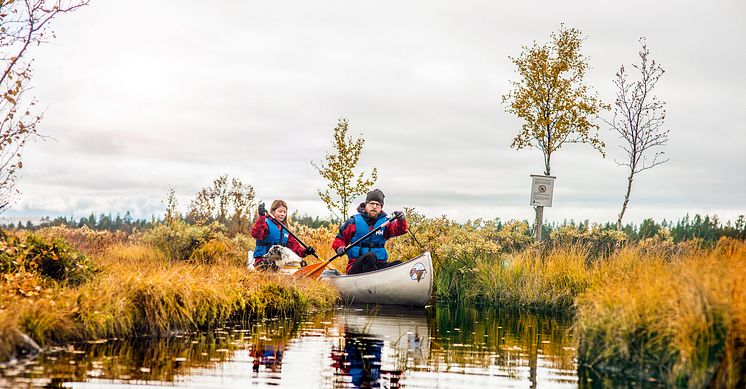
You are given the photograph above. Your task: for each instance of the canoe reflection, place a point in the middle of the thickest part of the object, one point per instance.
(380, 342)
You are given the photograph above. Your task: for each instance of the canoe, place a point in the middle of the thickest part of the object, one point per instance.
(408, 283)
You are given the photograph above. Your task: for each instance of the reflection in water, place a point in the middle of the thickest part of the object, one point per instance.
(351, 347)
(380, 343)
(508, 346)
(360, 359)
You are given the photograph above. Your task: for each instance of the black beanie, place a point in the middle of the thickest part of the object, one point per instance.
(375, 195)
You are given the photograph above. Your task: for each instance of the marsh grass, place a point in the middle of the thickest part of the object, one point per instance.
(675, 317)
(676, 311)
(529, 278)
(140, 291)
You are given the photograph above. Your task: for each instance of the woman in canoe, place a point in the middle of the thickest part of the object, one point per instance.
(370, 254)
(268, 233)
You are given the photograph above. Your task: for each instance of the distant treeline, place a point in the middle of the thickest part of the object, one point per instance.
(107, 222)
(708, 228)
(101, 222)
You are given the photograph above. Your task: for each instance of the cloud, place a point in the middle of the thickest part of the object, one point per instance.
(254, 89)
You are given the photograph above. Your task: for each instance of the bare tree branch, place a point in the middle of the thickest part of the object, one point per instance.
(638, 119)
(23, 24)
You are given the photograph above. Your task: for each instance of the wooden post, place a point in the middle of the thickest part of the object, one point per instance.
(538, 223)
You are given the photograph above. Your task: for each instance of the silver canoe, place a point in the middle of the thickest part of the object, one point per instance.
(409, 283)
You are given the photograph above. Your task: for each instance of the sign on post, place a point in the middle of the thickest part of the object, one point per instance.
(542, 188)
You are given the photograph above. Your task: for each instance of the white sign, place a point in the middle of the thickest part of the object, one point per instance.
(542, 188)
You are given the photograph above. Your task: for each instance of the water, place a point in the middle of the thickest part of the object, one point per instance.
(347, 347)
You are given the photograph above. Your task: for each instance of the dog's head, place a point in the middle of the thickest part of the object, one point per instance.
(282, 257)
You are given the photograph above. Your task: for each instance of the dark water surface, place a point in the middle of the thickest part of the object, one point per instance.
(348, 347)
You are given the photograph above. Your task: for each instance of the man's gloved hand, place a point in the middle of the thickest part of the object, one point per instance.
(310, 251)
(398, 215)
(262, 211)
(341, 251)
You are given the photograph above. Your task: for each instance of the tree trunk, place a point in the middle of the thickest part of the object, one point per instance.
(626, 200)
(538, 223)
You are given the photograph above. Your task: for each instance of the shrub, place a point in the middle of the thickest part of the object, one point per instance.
(85, 239)
(599, 242)
(54, 259)
(181, 241)
(514, 236)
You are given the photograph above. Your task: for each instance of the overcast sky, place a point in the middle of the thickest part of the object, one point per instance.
(143, 95)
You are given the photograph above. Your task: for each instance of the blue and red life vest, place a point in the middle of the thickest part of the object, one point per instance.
(375, 243)
(274, 237)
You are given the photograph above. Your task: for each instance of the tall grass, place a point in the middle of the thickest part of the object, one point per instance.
(675, 317)
(529, 279)
(140, 291)
(673, 310)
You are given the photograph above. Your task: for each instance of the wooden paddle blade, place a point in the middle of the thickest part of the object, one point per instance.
(312, 271)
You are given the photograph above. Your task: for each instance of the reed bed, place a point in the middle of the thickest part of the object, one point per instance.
(675, 317)
(676, 311)
(139, 291)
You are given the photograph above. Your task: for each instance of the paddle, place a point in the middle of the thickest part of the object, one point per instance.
(315, 270)
(269, 215)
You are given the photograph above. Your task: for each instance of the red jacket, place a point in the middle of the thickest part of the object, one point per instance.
(347, 231)
(260, 231)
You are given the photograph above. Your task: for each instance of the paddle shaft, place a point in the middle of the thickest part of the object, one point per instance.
(291, 233)
(315, 270)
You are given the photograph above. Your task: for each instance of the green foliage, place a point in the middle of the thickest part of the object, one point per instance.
(551, 98)
(54, 258)
(599, 241)
(343, 184)
(648, 229)
(455, 279)
(181, 241)
(308, 221)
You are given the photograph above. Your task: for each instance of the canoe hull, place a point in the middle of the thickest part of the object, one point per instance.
(409, 283)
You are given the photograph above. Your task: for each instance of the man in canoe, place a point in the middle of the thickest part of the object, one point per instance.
(268, 233)
(371, 253)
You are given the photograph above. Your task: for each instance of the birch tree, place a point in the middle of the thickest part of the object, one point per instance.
(343, 183)
(638, 119)
(553, 101)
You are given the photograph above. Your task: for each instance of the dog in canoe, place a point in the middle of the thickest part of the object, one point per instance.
(280, 259)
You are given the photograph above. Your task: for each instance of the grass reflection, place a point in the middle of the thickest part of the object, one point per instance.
(156, 359)
(379, 346)
(467, 337)
(139, 359)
